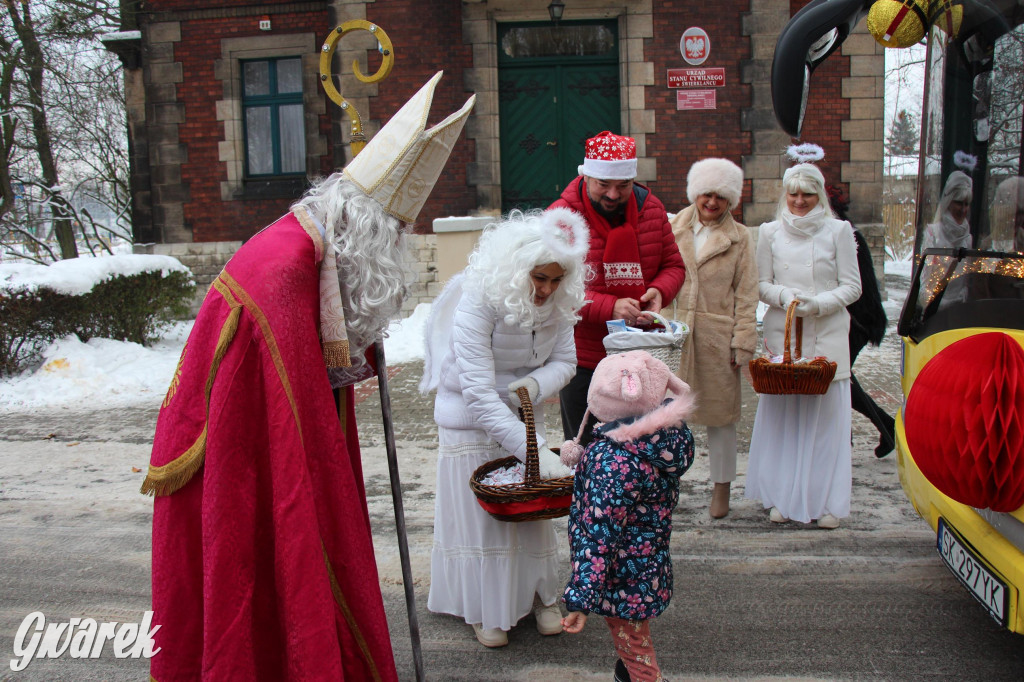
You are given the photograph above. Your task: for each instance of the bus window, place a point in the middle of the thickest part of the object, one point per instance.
(931, 180)
(970, 234)
(1006, 216)
(959, 288)
(1004, 186)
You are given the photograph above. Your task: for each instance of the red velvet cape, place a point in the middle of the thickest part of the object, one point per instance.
(263, 565)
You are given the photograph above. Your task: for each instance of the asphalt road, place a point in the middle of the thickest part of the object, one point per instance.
(868, 601)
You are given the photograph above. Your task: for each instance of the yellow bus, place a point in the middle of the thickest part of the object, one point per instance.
(960, 430)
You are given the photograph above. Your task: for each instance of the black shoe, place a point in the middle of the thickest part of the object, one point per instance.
(621, 674)
(886, 439)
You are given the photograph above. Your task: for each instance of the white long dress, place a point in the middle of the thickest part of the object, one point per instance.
(481, 569)
(800, 454)
(484, 570)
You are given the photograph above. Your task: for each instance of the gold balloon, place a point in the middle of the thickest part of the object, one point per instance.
(895, 23)
(947, 16)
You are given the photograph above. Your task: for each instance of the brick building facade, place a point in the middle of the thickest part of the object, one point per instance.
(186, 99)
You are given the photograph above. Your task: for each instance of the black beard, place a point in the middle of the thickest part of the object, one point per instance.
(617, 212)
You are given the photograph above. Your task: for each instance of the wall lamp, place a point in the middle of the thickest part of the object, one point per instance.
(555, 9)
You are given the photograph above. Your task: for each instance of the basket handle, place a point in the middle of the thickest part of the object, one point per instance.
(659, 318)
(532, 474)
(790, 316)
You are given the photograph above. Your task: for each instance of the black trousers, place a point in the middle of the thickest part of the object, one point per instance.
(861, 401)
(573, 403)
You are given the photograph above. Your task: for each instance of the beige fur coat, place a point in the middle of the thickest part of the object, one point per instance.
(719, 302)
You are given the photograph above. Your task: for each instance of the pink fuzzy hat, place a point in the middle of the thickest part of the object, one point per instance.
(632, 384)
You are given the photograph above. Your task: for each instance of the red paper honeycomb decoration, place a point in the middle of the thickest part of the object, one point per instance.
(965, 422)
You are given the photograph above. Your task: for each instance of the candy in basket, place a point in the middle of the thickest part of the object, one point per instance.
(532, 499)
(664, 340)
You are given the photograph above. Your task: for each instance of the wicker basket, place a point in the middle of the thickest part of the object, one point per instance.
(535, 498)
(789, 378)
(666, 346)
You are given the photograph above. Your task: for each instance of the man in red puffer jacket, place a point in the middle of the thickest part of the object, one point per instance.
(636, 264)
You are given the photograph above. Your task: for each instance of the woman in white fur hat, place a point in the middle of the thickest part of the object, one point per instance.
(718, 301)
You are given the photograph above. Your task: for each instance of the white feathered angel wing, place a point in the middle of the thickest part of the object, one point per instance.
(438, 333)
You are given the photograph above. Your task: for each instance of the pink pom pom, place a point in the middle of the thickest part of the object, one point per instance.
(570, 453)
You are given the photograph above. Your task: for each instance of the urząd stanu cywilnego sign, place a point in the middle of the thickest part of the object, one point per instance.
(710, 77)
(81, 638)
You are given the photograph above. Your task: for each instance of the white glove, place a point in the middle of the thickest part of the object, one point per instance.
(530, 384)
(807, 307)
(551, 465)
(787, 296)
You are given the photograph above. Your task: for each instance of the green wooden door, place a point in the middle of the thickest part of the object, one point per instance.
(530, 128)
(550, 102)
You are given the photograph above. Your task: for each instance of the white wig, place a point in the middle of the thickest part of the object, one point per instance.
(370, 248)
(806, 178)
(508, 251)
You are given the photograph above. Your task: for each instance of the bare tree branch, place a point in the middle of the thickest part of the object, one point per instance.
(63, 143)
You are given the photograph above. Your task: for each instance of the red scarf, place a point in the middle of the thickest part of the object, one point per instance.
(623, 277)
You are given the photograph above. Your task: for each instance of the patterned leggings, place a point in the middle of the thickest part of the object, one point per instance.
(633, 644)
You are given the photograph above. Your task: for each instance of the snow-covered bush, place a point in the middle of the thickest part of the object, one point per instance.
(126, 298)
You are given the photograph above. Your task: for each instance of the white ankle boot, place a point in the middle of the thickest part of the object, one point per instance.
(490, 637)
(549, 619)
(828, 522)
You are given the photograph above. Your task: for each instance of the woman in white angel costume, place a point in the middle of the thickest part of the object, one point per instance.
(799, 462)
(504, 322)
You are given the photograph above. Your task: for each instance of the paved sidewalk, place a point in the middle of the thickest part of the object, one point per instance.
(753, 600)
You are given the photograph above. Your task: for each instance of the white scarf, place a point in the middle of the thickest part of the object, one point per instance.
(804, 225)
(953, 234)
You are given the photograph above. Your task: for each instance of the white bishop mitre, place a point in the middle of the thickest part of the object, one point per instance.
(399, 166)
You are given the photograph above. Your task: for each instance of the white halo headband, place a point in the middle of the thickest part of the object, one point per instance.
(805, 153)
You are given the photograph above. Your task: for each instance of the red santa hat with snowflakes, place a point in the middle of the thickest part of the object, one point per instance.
(609, 157)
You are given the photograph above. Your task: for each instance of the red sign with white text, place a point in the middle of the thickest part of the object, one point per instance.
(695, 99)
(696, 78)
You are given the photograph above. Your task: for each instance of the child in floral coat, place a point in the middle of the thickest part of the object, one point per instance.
(626, 486)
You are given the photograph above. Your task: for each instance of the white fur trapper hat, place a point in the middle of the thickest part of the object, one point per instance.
(721, 176)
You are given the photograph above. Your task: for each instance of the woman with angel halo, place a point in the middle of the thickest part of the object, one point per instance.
(951, 227)
(800, 453)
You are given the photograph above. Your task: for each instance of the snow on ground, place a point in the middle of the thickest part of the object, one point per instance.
(107, 373)
(897, 281)
(111, 373)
